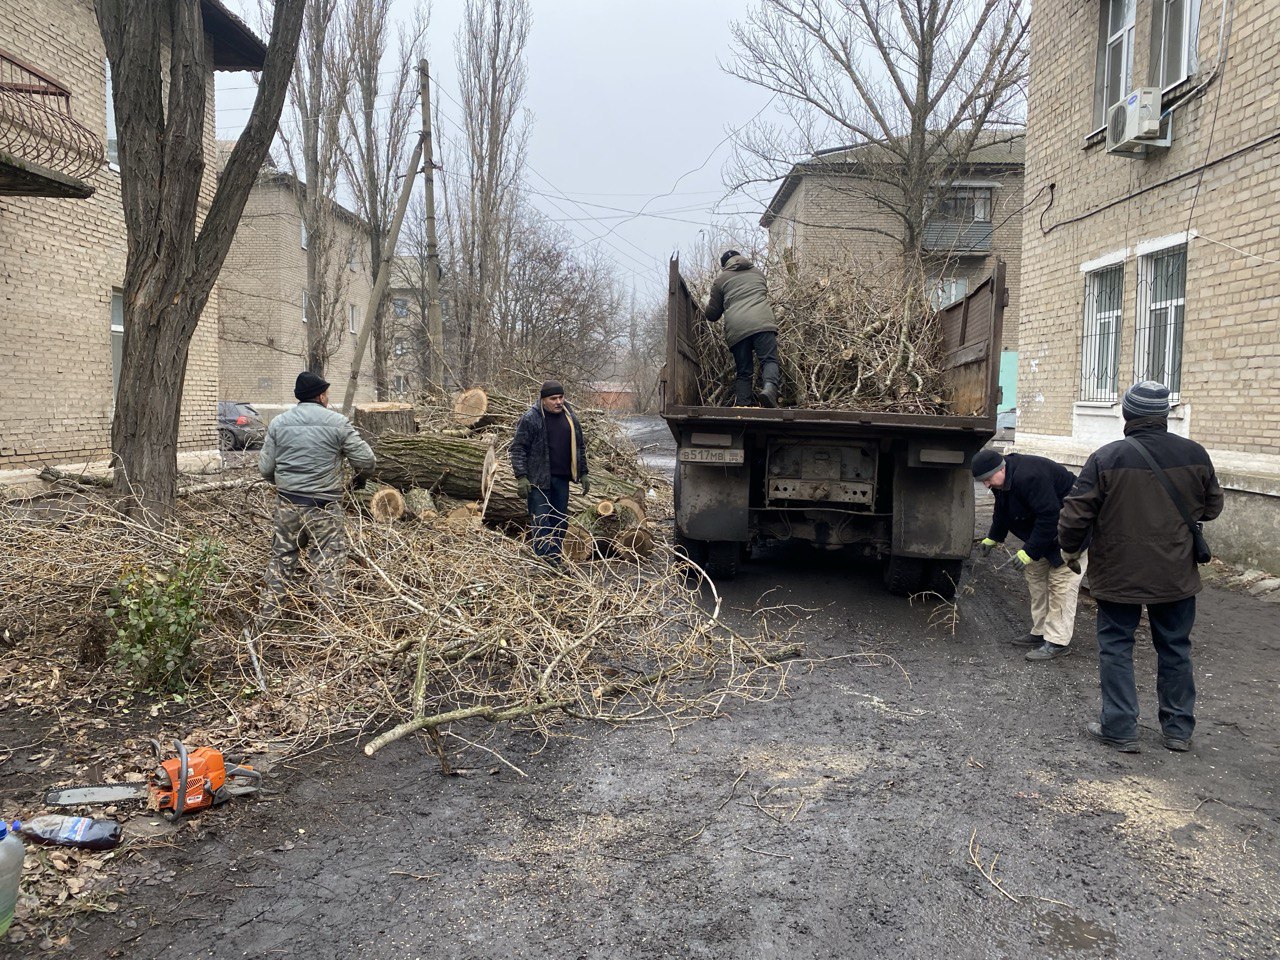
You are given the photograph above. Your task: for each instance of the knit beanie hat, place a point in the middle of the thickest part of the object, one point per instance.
(727, 256)
(1145, 399)
(309, 386)
(986, 463)
(552, 388)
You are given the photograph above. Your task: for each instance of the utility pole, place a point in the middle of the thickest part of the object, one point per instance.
(435, 324)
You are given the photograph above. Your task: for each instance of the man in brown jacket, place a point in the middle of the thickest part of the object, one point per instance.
(1141, 554)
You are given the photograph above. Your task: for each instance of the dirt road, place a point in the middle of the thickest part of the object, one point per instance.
(841, 819)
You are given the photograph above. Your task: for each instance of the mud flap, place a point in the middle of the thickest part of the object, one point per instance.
(711, 502)
(932, 512)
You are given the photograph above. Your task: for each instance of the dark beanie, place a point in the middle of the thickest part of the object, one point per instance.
(1146, 399)
(727, 255)
(552, 388)
(309, 386)
(986, 463)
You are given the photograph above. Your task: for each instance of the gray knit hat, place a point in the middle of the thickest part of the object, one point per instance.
(1146, 399)
(986, 463)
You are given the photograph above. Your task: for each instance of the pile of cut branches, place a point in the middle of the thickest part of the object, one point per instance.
(848, 339)
(437, 626)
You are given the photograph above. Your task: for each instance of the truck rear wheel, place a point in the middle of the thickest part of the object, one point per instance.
(904, 576)
(695, 550)
(722, 559)
(944, 577)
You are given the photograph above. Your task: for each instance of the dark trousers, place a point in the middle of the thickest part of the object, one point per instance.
(1171, 625)
(762, 346)
(549, 508)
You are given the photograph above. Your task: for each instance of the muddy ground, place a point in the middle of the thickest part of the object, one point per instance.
(837, 820)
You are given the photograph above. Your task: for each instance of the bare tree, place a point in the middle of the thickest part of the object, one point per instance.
(379, 120)
(173, 257)
(314, 147)
(479, 201)
(912, 87)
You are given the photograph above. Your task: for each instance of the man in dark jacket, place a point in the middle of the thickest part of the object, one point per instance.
(739, 295)
(302, 455)
(1142, 554)
(1028, 491)
(548, 451)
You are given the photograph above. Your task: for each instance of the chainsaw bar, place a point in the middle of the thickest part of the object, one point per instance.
(100, 793)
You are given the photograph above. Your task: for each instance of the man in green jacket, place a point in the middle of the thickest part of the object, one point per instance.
(739, 296)
(302, 455)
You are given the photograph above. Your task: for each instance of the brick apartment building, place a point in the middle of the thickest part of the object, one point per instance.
(265, 309)
(1162, 261)
(62, 236)
(828, 209)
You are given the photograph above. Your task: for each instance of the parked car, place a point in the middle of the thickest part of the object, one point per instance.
(239, 426)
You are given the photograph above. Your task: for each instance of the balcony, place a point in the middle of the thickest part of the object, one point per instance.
(960, 239)
(44, 152)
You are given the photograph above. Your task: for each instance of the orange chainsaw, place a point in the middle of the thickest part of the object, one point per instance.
(186, 783)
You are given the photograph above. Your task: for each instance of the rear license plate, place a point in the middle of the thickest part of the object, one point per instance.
(705, 455)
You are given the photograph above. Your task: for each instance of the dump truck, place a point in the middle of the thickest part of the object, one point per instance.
(895, 487)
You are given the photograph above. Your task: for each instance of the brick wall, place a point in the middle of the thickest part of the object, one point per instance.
(263, 337)
(1104, 204)
(60, 260)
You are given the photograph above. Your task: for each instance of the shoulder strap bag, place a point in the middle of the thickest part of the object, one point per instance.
(1199, 546)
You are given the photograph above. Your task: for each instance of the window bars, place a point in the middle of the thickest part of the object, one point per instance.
(1100, 343)
(1162, 284)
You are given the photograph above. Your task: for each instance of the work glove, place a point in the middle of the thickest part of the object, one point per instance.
(1023, 558)
(984, 548)
(522, 487)
(585, 483)
(358, 482)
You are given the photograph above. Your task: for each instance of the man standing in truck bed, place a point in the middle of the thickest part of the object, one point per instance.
(740, 297)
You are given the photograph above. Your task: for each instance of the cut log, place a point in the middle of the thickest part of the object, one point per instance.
(470, 407)
(419, 501)
(579, 544)
(387, 505)
(636, 542)
(377, 419)
(605, 508)
(631, 511)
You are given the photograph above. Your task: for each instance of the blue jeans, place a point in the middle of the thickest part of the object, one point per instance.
(1171, 625)
(762, 346)
(549, 508)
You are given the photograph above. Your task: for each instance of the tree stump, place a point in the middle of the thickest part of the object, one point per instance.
(378, 419)
(470, 407)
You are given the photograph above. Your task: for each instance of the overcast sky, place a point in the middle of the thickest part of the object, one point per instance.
(629, 108)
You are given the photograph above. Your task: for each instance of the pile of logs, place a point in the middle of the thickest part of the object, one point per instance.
(458, 472)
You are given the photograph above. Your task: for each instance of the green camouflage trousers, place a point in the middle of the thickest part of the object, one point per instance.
(321, 533)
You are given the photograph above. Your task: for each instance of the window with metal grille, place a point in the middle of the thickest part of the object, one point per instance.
(1100, 343)
(1162, 288)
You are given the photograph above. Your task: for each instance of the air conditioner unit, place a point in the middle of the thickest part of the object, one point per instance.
(1134, 126)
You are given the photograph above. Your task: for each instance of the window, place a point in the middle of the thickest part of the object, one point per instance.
(113, 143)
(117, 340)
(302, 233)
(948, 291)
(353, 256)
(1175, 25)
(401, 348)
(1115, 56)
(351, 317)
(400, 307)
(306, 305)
(1162, 288)
(399, 384)
(1100, 344)
(965, 205)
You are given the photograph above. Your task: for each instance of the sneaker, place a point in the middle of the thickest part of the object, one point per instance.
(1030, 640)
(1049, 651)
(1176, 745)
(769, 394)
(1124, 746)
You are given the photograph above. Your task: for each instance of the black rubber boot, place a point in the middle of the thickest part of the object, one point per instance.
(769, 394)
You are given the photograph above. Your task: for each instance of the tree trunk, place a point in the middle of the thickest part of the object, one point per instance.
(379, 419)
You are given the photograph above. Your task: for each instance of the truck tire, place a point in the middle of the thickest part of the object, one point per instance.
(722, 559)
(944, 577)
(695, 550)
(904, 576)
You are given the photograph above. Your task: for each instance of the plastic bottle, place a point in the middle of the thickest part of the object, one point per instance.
(11, 854)
(63, 831)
